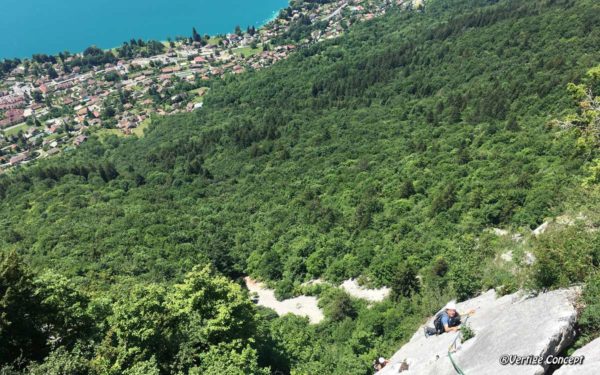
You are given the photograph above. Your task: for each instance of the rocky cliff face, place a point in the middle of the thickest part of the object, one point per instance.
(515, 324)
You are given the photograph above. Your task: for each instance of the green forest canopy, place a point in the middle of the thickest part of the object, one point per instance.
(381, 154)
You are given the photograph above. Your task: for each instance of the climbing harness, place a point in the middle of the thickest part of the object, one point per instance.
(452, 348)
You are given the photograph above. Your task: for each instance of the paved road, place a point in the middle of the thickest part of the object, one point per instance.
(335, 13)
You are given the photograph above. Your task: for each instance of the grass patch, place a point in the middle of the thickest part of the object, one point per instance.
(247, 51)
(139, 131)
(16, 129)
(52, 137)
(214, 41)
(200, 91)
(198, 94)
(103, 133)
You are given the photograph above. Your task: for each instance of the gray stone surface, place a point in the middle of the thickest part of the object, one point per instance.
(591, 363)
(512, 324)
(541, 229)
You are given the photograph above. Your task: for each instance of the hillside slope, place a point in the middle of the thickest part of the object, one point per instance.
(383, 154)
(389, 143)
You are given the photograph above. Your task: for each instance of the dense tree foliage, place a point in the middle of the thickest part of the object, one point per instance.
(186, 328)
(139, 48)
(383, 154)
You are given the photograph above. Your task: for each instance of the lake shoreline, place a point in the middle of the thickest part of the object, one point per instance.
(207, 30)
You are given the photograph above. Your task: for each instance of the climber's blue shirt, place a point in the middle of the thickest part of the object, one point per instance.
(446, 320)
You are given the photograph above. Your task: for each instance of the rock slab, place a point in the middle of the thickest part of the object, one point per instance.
(591, 362)
(513, 324)
(372, 295)
(302, 305)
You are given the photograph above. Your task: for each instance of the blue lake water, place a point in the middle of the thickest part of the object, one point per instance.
(51, 26)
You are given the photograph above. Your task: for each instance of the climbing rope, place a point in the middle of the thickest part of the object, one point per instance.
(458, 370)
(452, 348)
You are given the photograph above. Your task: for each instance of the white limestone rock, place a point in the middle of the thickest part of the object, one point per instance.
(507, 256)
(302, 305)
(372, 295)
(529, 258)
(591, 361)
(512, 324)
(541, 229)
(500, 232)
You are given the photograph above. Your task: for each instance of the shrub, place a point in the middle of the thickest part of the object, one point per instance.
(284, 289)
(464, 280)
(466, 332)
(589, 321)
(337, 305)
(405, 281)
(565, 256)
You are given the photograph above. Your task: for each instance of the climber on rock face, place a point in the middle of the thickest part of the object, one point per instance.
(380, 363)
(448, 320)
